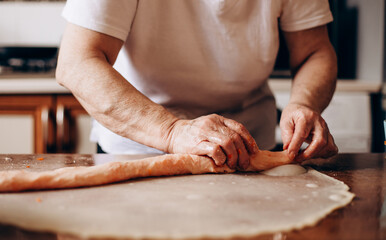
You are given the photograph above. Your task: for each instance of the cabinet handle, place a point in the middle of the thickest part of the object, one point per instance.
(44, 116)
(60, 128)
(63, 135)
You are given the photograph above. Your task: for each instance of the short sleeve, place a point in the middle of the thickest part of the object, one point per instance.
(299, 15)
(113, 18)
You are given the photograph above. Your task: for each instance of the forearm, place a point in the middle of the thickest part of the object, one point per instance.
(115, 103)
(313, 64)
(315, 80)
(85, 67)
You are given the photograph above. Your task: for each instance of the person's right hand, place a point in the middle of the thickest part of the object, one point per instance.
(222, 139)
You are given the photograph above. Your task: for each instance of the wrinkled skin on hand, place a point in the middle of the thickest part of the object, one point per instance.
(224, 140)
(302, 124)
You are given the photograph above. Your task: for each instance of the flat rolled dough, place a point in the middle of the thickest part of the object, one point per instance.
(183, 207)
(164, 165)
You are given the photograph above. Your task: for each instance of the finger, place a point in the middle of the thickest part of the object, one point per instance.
(287, 129)
(211, 150)
(302, 131)
(318, 142)
(243, 156)
(330, 150)
(225, 141)
(247, 139)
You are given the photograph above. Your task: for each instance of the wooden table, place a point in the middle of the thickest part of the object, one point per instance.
(364, 218)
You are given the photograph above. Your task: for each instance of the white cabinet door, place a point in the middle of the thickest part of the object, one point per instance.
(16, 134)
(83, 128)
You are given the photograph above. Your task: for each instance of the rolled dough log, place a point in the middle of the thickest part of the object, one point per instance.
(164, 165)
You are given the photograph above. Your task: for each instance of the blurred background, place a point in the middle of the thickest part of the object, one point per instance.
(39, 116)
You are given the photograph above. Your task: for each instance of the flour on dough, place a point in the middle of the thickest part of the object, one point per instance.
(180, 207)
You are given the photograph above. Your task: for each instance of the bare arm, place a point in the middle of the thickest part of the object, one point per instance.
(314, 66)
(85, 67)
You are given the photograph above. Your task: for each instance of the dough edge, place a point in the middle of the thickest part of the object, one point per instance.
(309, 222)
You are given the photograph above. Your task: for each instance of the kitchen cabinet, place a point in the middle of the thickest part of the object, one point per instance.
(37, 115)
(26, 124)
(73, 126)
(37, 123)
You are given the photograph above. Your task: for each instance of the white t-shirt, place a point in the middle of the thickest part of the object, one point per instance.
(197, 57)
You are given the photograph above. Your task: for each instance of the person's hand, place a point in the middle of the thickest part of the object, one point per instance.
(224, 140)
(300, 124)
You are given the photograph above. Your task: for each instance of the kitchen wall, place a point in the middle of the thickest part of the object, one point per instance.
(371, 29)
(40, 23)
(31, 23)
(32, 0)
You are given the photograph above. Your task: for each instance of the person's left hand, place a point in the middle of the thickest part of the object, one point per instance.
(300, 124)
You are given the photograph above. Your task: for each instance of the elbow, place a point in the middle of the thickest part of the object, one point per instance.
(65, 69)
(60, 74)
(65, 72)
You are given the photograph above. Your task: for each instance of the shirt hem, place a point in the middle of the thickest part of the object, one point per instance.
(306, 24)
(96, 26)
